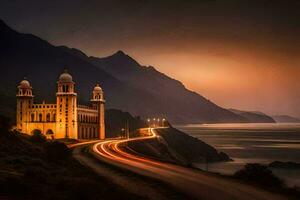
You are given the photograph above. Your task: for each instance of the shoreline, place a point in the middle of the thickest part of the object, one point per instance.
(249, 143)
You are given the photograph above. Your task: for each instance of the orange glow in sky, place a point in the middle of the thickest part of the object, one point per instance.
(239, 54)
(238, 78)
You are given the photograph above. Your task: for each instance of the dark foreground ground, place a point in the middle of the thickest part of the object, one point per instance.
(32, 168)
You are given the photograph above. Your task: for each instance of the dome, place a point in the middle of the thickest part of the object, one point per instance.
(65, 77)
(25, 84)
(97, 88)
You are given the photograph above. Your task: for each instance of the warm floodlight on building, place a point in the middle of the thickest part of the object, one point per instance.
(64, 118)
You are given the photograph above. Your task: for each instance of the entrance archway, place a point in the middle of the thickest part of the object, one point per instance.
(36, 131)
(50, 134)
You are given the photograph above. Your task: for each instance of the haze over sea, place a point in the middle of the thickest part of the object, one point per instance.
(251, 143)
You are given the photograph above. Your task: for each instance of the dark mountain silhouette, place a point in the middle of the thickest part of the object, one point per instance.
(254, 116)
(172, 98)
(42, 63)
(285, 119)
(127, 85)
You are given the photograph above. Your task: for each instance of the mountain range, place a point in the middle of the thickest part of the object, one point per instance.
(254, 116)
(129, 86)
(285, 119)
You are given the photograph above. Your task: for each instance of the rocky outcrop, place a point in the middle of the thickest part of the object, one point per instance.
(172, 145)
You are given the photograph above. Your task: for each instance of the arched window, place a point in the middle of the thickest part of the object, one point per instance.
(32, 117)
(48, 117)
(40, 117)
(54, 117)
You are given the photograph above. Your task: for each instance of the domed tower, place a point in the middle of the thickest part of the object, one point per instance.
(98, 101)
(24, 102)
(66, 107)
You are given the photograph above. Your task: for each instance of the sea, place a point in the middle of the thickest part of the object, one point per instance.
(251, 143)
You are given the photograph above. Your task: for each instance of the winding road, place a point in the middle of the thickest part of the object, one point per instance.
(195, 183)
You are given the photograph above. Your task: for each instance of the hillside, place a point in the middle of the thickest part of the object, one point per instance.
(128, 86)
(285, 119)
(254, 117)
(177, 147)
(173, 99)
(33, 168)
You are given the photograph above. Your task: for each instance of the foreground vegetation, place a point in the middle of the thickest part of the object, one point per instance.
(34, 168)
(261, 176)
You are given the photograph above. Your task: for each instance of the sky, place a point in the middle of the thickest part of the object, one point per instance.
(239, 54)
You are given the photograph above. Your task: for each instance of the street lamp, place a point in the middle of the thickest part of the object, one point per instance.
(148, 120)
(158, 121)
(123, 130)
(163, 122)
(154, 122)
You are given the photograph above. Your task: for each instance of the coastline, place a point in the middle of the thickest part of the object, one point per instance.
(256, 143)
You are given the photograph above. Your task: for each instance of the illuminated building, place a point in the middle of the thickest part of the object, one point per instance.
(63, 119)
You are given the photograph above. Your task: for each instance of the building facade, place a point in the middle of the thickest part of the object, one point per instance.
(65, 118)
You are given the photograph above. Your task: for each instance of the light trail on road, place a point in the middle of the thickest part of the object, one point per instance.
(198, 184)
